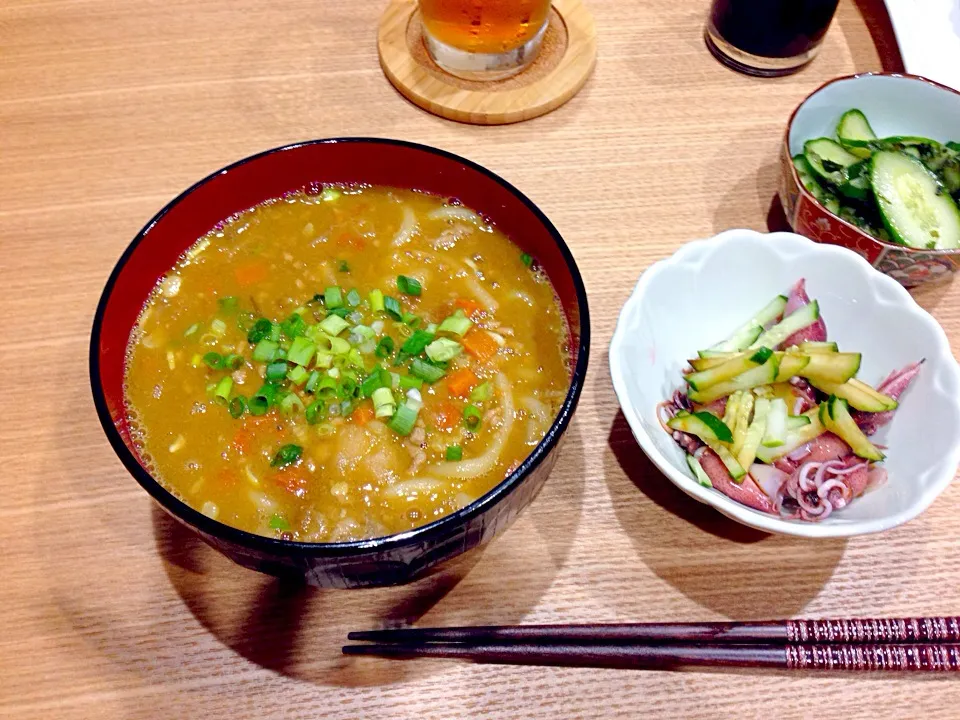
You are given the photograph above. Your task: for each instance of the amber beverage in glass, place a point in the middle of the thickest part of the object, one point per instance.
(484, 39)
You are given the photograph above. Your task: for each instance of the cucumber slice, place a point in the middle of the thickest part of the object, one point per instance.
(706, 354)
(741, 422)
(915, 209)
(817, 347)
(730, 462)
(795, 438)
(698, 473)
(855, 133)
(856, 182)
(704, 425)
(858, 394)
(791, 364)
(730, 369)
(705, 363)
(831, 367)
(795, 422)
(836, 417)
(799, 319)
(776, 430)
(730, 411)
(807, 178)
(750, 331)
(754, 434)
(828, 159)
(955, 146)
(763, 375)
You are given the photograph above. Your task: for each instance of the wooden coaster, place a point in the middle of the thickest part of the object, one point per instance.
(565, 61)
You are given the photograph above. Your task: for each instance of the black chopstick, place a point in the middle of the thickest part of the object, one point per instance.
(772, 632)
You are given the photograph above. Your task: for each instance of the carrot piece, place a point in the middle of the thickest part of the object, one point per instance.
(291, 480)
(362, 415)
(469, 307)
(479, 344)
(445, 415)
(461, 382)
(250, 273)
(227, 478)
(351, 240)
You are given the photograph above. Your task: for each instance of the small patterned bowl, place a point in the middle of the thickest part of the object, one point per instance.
(895, 104)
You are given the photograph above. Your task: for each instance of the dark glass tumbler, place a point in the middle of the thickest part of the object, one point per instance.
(768, 37)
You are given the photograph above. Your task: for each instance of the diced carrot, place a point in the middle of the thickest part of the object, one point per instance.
(469, 307)
(250, 273)
(242, 439)
(479, 344)
(351, 240)
(362, 415)
(445, 415)
(227, 478)
(461, 382)
(292, 480)
(252, 426)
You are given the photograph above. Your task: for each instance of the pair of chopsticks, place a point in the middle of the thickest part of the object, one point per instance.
(920, 644)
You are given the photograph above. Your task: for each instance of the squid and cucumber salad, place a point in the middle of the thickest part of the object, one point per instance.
(901, 189)
(776, 418)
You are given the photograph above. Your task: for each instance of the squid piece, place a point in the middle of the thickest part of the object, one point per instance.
(813, 333)
(894, 385)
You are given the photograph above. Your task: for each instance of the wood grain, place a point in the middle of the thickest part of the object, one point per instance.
(109, 108)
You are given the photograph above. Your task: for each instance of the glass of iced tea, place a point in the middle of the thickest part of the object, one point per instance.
(484, 39)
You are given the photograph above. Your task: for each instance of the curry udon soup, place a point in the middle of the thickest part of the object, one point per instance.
(345, 365)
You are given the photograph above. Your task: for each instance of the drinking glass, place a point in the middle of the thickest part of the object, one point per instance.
(484, 39)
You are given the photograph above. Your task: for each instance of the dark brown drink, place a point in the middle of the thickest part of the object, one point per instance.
(768, 37)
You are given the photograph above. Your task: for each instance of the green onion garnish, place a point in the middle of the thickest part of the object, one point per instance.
(326, 388)
(457, 324)
(454, 452)
(416, 343)
(237, 406)
(312, 381)
(333, 297)
(402, 422)
(384, 347)
(191, 330)
(297, 375)
(218, 327)
(245, 320)
(408, 285)
(261, 400)
(443, 349)
(228, 303)
(472, 417)
(339, 346)
(277, 370)
(278, 523)
(260, 331)
(290, 404)
(353, 298)
(301, 351)
(426, 371)
(314, 412)
(342, 311)
(213, 360)
(409, 382)
(379, 378)
(286, 455)
(222, 392)
(481, 392)
(376, 300)
(344, 266)
(232, 361)
(265, 351)
(347, 388)
(293, 326)
(324, 360)
(526, 259)
(333, 325)
(392, 306)
(410, 319)
(365, 332)
(383, 403)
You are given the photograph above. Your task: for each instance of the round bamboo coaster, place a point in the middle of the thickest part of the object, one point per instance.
(565, 61)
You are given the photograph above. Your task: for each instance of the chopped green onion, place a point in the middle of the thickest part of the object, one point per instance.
(392, 306)
(379, 378)
(409, 382)
(384, 347)
(324, 360)
(339, 346)
(213, 360)
(265, 351)
(222, 392)
(342, 311)
(344, 266)
(454, 452)
(333, 325)
(432, 328)
(191, 330)
(245, 320)
(376, 300)
(416, 343)
(472, 417)
(277, 370)
(402, 422)
(333, 297)
(457, 324)
(355, 359)
(290, 404)
(293, 326)
(312, 381)
(229, 303)
(334, 372)
(410, 319)
(408, 285)
(353, 298)
(384, 404)
(301, 351)
(278, 523)
(314, 411)
(364, 332)
(297, 375)
(443, 349)
(347, 388)
(481, 392)
(326, 388)
(286, 455)
(394, 380)
(237, 406)
(218, 327)
(526, 259)
(260, 331)
(426, 371)
(330, 194)
(261, 400)
(232, 361)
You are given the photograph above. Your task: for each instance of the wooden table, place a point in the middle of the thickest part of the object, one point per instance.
(108, 108)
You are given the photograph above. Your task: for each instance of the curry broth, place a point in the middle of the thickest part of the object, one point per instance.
(355, 475)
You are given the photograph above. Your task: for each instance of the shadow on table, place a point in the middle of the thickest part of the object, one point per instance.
(297, 630)
(725, 566)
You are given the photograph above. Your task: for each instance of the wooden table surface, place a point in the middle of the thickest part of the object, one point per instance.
(108, 108)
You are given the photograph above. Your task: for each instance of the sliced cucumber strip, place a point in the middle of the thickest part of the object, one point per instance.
(755, 433)
(750, 331)
(828, 159)
(726, 371)
(915, 209)
(742, 422)
(791, 365)
(704, 425)
(855, 133)
(799, 319)
(705, 363)
(776, 431)
(815, 347)
(860, 395)
(698, 473)
(763, 375)
(831, 367)
(730, 462)
(730, 411)
(836, 417)
(795, 422)
(795, 438)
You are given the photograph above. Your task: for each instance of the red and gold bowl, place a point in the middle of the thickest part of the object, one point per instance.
(156, 248)
(895, 104)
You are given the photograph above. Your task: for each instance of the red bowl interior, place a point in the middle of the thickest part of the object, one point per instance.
(272, 174)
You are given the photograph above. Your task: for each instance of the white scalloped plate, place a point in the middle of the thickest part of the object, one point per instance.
(705, 290)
